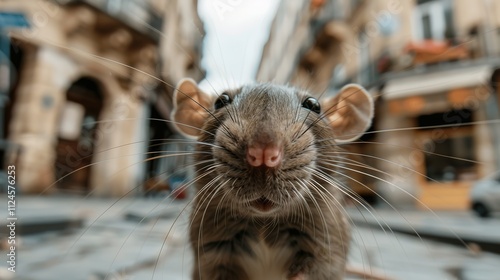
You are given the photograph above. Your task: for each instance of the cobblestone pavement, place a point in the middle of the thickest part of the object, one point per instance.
(127, 239)
(442, 224)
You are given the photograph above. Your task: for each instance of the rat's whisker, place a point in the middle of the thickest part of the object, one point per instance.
(355, 197)
(250, 166)
(99, 59)
(319, 211)
(175, 220)
(472, 123)
(413, 197)
(390, 162)
(219, 204)
(332, 109)
(425, 152)
(329, 197)
(200, 231)
(98, 217)
(345, 190)
(111, 159)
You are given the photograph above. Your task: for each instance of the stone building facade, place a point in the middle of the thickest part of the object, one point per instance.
(432, 66)
(86, 75)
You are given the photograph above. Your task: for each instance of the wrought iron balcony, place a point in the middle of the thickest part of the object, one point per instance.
(138, 14)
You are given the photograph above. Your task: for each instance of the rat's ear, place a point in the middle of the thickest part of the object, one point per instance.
(349, 113)
(190, 108)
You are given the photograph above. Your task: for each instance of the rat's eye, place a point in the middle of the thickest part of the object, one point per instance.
(312, 104)
(222, 101)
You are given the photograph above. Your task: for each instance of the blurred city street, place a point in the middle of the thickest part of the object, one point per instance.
(93, 131)
(127, 239)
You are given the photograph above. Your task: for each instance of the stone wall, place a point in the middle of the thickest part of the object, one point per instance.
(66, 43)
(44, 80)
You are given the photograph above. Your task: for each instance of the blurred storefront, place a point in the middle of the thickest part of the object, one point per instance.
(86, 79)
(432, 66)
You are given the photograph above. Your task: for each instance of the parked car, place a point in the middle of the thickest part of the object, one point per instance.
(485, 196)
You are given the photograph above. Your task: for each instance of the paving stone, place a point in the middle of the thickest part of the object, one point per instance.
(454, 227)
(110, 245)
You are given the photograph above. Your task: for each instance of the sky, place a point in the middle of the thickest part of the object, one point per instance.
(236, 31)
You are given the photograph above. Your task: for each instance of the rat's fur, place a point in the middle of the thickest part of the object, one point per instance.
(305, 235)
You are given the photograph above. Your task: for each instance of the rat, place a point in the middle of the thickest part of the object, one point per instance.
(269, 202)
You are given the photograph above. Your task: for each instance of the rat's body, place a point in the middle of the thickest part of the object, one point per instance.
(268, 204)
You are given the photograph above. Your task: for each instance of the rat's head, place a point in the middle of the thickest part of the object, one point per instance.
(264, 148)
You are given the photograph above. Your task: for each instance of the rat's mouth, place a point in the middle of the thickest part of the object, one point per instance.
(263, 204)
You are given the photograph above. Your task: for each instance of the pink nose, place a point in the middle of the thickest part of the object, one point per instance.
(270, 156)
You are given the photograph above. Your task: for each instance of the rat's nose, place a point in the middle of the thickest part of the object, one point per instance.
(270, 155)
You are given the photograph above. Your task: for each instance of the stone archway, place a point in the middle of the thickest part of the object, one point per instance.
(76, 135)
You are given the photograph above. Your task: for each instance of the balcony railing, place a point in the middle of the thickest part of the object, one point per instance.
(477, 46)
(138, 14)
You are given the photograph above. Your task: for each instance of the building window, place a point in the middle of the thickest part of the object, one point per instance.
(451, 159)
(454, 117)
(449, 154)
(426, 26)
(433, 20)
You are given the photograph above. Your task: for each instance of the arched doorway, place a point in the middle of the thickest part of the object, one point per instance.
(77, 131)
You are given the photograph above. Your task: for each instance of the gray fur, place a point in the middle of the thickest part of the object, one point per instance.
(306, 233)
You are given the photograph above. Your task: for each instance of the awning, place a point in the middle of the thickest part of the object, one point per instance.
(436, 82)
